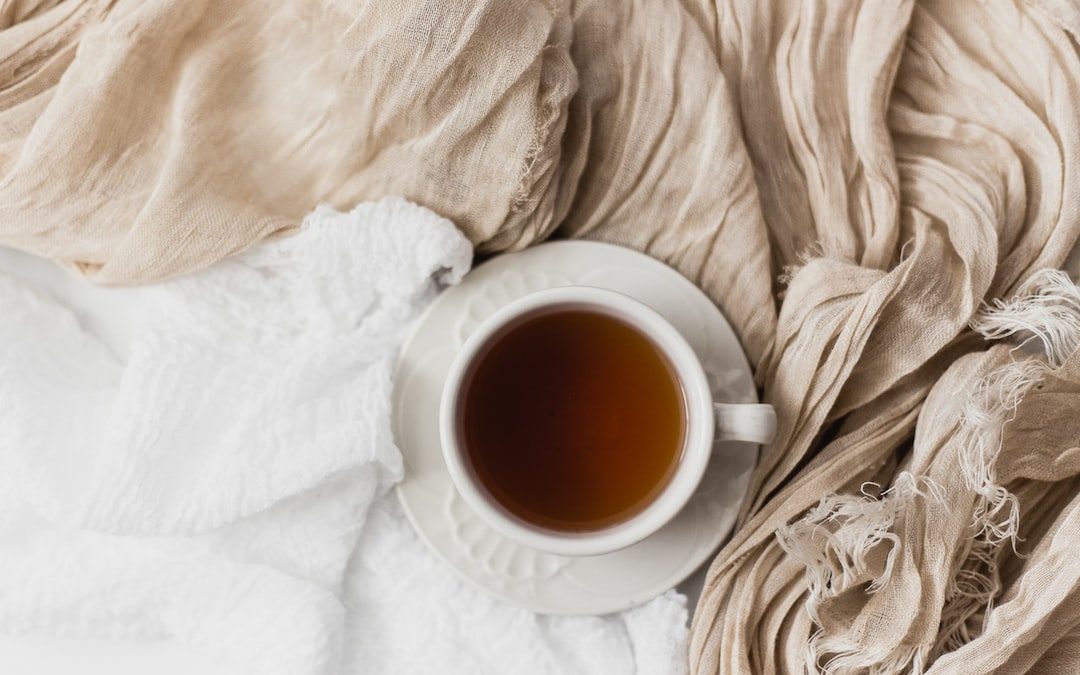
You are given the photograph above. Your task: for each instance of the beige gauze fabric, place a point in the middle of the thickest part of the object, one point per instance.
(871, 191)
(935, 168)
(144, 138)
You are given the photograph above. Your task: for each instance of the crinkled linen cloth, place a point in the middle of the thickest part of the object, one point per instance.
(225, 482)
(877, 193)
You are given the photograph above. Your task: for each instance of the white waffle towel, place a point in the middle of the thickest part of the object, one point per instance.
(224, 480)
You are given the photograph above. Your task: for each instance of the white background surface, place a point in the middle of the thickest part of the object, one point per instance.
(104, 312)
(69, 656)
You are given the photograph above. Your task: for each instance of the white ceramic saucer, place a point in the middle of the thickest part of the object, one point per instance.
(542, 582)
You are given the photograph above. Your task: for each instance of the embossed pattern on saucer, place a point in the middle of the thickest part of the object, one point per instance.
(542, 582)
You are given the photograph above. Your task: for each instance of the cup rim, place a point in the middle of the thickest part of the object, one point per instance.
(697, 441)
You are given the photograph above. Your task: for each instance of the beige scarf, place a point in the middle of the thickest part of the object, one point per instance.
(857, 185)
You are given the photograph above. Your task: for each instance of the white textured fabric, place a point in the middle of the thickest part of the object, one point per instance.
(212, 482)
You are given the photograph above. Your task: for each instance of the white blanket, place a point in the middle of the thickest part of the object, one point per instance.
(214, 466)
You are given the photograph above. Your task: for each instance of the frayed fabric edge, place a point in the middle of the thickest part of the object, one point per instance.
(834, 539)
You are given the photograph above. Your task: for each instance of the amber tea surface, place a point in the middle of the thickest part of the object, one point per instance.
(573, 420)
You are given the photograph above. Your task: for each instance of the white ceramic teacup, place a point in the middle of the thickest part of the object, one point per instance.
(706, 421)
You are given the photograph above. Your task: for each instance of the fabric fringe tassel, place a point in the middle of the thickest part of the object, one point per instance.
(836, 540)
(1046, 308)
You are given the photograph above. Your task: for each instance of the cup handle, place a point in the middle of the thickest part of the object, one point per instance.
(750, 422)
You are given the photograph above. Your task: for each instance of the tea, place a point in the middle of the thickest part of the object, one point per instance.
(572, 419)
